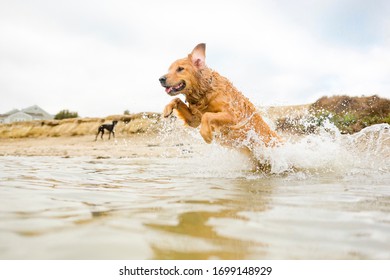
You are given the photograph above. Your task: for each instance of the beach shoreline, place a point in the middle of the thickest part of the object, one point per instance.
(137, 145)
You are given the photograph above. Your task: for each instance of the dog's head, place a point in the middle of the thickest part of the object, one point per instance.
(183, 74)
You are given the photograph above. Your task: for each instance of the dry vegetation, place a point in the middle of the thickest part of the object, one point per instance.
(348, 114)
(128, 124)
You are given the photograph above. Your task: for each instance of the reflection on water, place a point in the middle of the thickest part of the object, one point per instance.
(199, 205)
(195, 225)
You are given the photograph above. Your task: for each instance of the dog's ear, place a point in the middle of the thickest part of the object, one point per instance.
(198, 56)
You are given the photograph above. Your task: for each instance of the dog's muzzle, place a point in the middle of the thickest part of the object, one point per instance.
(163, 81)
(172, 90)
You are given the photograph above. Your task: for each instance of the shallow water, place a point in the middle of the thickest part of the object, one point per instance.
(328, 197)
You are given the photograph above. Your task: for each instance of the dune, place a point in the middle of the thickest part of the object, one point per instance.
(128, 124)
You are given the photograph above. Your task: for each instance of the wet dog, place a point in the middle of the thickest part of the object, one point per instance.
(213, 103)
(109, 127)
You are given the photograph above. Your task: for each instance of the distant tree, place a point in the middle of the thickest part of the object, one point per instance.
(126, 112)
(65, 114)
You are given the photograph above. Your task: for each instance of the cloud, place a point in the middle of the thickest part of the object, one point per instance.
(102, 57)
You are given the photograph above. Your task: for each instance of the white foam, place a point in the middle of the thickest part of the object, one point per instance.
(326, 152)
(330, 151)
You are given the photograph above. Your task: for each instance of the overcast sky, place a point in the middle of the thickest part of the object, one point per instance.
(103, 57)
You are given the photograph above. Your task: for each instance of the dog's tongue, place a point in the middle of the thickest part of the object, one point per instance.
(168, 89)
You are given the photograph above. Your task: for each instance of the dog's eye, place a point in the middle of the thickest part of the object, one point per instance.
(179, 69)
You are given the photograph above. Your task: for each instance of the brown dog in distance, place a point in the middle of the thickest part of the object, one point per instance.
(214, 104)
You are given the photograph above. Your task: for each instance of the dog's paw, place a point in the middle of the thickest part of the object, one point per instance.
(168, 110)
(206, 134)
(208, 139)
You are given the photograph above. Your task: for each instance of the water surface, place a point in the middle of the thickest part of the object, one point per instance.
(327, 198)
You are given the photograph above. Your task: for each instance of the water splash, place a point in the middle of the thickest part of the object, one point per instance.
(327, 152)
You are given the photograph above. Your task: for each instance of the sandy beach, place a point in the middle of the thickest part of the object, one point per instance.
(136, 135)
(62, 146)
(133, 145)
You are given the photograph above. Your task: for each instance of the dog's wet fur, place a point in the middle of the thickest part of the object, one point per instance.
(213, 103)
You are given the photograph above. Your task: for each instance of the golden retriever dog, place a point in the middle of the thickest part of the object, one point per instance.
(213, 103)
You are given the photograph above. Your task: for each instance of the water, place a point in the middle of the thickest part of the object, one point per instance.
(327, 197)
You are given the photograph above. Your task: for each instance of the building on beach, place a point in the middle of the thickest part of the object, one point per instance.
(27, 114)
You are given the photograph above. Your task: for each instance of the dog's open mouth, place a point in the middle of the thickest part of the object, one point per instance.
(173, 90)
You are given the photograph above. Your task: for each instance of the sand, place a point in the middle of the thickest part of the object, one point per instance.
(137, 145)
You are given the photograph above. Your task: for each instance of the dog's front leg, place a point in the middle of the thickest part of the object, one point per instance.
(212, 120)
(184, 112)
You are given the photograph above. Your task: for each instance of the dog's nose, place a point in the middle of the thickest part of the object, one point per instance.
(163, 80)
